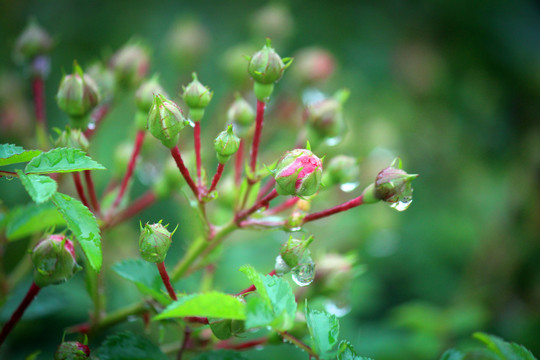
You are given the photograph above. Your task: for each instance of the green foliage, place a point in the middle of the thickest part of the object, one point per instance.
(32, 218)
(40, 188)
(145, 276)
(210, 304)
(61, 160)
(221, 355)
(504, 350)
(128, 346)
(83, 225)
(11, 154)
(324, 330)
(346, 352)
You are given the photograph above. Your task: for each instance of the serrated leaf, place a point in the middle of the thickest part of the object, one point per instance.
(32, 218)
(62, 160)
(346, 352)
(324, 330)
(145, 276)
(83, 225)
(12, 154)
(128, 346)
(221, 355)
(258, 313)
(210, 304)
(39, 187)
(451, 354)
(503, 349)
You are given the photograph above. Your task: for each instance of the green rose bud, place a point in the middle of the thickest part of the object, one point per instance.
(144, 96)
(154, 242)
(165, 121)
(294, 251)
(393, 185)
(313, 65)
(266, 68)
(226, 145)
(72, 350)
(104, 78)
(130, 64)
(54, 261)
(298, 173)
(77, 96)
(33, 41)
(197, 97)
(240, 112)
(72, 138)
(325, 117)
(341, 169)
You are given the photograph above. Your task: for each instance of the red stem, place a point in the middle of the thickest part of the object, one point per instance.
(226, 344)
(175, 152)
(197, 142)
(216, 177)
(38, 88)
(281, 207)
(252, 287)
(131, 166)
(16, 316)
(137, 206)
(336, 209)
(8, 173)
(97, 116)
(257, 136)
(239, 163)
(266, 188)
(263, 202)
(92, 191)
(80, 189)
(166, 280)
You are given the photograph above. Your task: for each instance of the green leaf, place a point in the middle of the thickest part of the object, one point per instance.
(453, 354)
(503, 349)
(145, 276)
(11, 154)
(33, 356)
(40, 188)
(346, 352)
(128, 346)
(221, 328)
(324, 330)
(27, 220)
(210, 304)
(221, 355)
(83, 225)
(258, 313)
(61, 160)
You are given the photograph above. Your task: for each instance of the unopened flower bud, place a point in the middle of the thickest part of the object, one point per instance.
(144, 96)
(104, 78)
(325, 117)
(77, 96)
(295, 250)
(340, 170)
(130, 64)
(33, 41)
(54, 261)
(165, 121)
(393, 185)
(241, 112)
(298, 173)
(197, 97)
(187, 41)
(72, 138)
(154, 242)
(226, 145)
(72, 350)
(313, 65)
(273, 20)
(266, 68)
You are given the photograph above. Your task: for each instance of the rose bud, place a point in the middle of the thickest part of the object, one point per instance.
(325, 117)
(298, 173)
(393, 185)
(241, 112)
(54, 261)
(104, 78)
(313, 65)
(154, 242)
(226, 145)
(72, 138)
(340, 170)
(144, 98)
(165, 121)
(197, 97)
(294, 251)
(33, 42)
(130, 64)
(72, 350)
(266, 68)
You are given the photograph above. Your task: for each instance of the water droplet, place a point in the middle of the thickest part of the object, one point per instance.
(336, 307)
(132, 318)
(333, 141)
(281, 266)
(304, 273)
(91, 126)
(402, 204)
(348, 187)
(295, 228)
(191, 123)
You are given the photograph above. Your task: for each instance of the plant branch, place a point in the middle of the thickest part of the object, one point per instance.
(96, 118)
(92, 191)
(216, 177)
(242, 215)
(257, 136)
(238, 165)
(18, 313)
(175, 152)
(197, 144)
(252, 287)
(334, 210)
(298, 343)
(134, 208)
(226, 344)
(166, 280)
(8, 174)
(80, 189)
(283, 206)
(266, 188)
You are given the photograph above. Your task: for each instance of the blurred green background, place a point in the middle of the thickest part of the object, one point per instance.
(450, 86)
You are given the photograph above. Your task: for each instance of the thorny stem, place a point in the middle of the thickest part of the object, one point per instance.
(282, 207)
(131, 166)
(298, 343)
(97, 117)
(92, 191)
(18, 313)
(239, 163)
(80, 189)
(166, 280)
(175, 152)
(262, 203)
(257, 136)
(216, 177)
(252, 287)
(137, 206)
(197, 143)
(334, 210)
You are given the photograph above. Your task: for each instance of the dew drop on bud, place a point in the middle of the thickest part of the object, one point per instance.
(348, 187)
(280, 266)
(402, 204)
(191, 123)
(337, 307)
(304, 273)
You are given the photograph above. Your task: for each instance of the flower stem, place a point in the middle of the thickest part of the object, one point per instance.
(216, 177)
(226, 344)
(38, 89)
(92, 191)
(131, 166)
(197, 143)
(298, 343)
(166, 280)
(238, 164)
(134, 208)
(257, 136)
(18, 313)
(334, 210)
(97, 116)
(266, 188)
(8, 174)
(80, 189)
(175, 152)
(261, 203)
(252, 287)
(282, 207)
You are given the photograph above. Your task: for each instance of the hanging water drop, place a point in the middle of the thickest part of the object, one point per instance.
(336, 307)
(402, 204)
(280, 266)
(191, 123)
(348, 187)
(304, 273)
